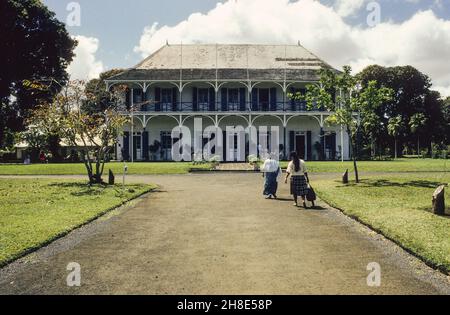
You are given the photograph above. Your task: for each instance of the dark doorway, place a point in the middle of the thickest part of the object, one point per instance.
(300, 144)
(264, 99)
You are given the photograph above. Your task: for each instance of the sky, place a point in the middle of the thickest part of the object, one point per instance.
(119, 33)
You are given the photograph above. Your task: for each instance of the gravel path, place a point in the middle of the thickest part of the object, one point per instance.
(215, 234)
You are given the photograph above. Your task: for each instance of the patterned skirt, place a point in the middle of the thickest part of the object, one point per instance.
(299, 186)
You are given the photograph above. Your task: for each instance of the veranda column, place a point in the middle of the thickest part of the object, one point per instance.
(322, 143)
(132, 126)
(284, 140)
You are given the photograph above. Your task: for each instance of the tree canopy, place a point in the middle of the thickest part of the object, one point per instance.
(414, 101)
(36, 48)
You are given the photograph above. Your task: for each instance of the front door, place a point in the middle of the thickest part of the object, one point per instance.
(300, 146)
(137, 146)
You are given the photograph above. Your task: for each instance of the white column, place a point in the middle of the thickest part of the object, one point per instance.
(132, 125)
(132, 138)
(342, 143)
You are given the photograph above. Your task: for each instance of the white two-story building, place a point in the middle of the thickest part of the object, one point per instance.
(226, 85)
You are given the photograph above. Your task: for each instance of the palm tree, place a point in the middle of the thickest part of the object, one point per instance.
(416, 122)
(395, 125)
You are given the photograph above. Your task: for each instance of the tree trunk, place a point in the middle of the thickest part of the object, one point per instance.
(353, 149)
(438, 201)
(395, 148)
(2, 132)
(418, 147)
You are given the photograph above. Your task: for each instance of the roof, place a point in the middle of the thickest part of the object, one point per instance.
(203, 61)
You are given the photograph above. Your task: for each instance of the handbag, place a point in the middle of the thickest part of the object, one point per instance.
(311, 195)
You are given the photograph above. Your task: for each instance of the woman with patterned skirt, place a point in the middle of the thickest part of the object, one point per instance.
(299, 178)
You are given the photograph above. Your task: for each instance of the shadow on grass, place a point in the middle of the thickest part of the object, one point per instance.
(387, 183)
(82, 189)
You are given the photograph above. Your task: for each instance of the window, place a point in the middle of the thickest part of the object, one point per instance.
(166, 96)
(137, 96)
(166, 140)
(166, 99)
(233, 99)
(203, 99)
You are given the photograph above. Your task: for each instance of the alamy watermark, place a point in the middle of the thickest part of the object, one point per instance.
(235, 143)
(74, 277)
(74, 17)
(374, 277)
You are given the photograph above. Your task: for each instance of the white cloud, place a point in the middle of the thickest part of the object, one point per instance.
(423, 41)
(85, 65)
(348, 7)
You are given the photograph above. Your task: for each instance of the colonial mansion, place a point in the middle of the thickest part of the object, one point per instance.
(225, 85)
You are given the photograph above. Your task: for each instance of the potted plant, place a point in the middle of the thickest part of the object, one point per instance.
(215, 161)
(254, 161)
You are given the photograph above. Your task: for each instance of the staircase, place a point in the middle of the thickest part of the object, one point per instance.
(235, 167)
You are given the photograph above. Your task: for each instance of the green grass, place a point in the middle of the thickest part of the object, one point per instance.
(35, 212)
(398, 206)
(399, 165)
(150, 168)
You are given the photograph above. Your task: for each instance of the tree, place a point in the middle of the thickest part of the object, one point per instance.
(354, 107)
(395, 126)
(95, 134)
(416, 122)
(412, 95)
(36, 141)
(35, 46)
(100, 97)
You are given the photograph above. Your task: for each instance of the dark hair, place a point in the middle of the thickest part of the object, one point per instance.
(294, 158)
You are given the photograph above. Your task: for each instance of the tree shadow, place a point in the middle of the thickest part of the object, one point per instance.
(389, 183)
(82, 189)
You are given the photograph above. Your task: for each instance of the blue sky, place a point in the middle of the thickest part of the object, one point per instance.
(118, 24)
(118, 34)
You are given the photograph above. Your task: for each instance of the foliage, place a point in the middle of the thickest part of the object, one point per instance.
(417, 120)
(354, 107)
(411, 96)
(253, 159)
(94, 133)
(36, 48)
(36, 141)
(395, 126)
(100, 98)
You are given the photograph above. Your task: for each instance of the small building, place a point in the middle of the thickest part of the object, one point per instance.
(225, 85)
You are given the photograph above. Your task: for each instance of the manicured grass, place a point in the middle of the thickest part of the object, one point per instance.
(34, 212)
(399, 165)
(150, 168)
(398, 206)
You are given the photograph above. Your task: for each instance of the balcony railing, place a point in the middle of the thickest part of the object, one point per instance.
(290, 106)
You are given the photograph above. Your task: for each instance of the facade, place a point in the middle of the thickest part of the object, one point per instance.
(225, 85)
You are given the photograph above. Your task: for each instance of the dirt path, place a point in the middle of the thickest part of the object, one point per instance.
(215, 234)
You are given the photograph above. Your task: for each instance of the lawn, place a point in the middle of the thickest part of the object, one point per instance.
(150, 168)
(398, 165)
(35, 212)
(398, 206)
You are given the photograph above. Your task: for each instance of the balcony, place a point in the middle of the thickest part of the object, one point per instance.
(290, 106)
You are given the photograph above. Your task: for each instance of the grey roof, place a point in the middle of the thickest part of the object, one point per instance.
(227, 62)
